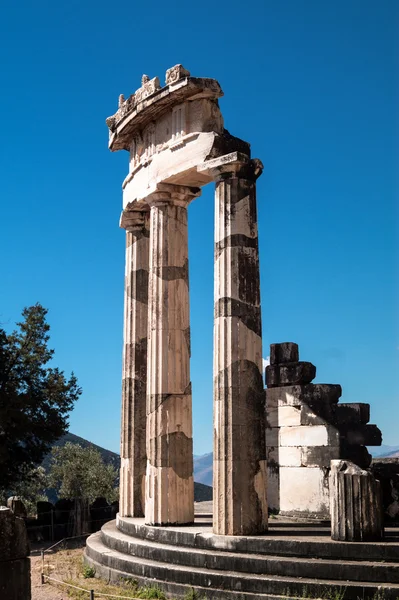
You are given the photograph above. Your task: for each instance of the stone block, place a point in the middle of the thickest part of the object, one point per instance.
(319, 456)
(362, 435)
(386, 470)
(356, 454)
(284, 416)
(285, 352)
(14, 564)
(175, 74)
(355, 503)
(356, 412)
(15, 504)
(290, 374)
(311, 394)
(316, 414)
(13, 537)
(313, 435)
(303, 491)
(272, 437)
(289, 456)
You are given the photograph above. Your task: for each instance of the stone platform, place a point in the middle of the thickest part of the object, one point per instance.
(293, 560)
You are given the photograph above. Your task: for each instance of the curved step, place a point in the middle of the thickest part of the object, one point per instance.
(228, 581)
(249, 563)
(280, 540)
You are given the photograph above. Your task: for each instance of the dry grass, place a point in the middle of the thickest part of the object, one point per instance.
(67, 565)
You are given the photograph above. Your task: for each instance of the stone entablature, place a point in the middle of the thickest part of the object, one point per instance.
(150, 102)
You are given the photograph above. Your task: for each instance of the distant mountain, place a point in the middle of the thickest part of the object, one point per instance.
(384, 451)
(202, 491)
(203, 469)
(107, 456)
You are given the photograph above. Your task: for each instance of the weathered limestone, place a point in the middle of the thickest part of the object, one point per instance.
(240, 504)
(306, 429)
(14, 562)
(169, 481)
(356, 504)
(177, 143)
(134, 376)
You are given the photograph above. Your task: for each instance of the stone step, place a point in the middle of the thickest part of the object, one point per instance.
(113, 565)
(282, 539)
(249, 563)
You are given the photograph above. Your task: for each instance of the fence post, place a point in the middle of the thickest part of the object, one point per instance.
(52, 525)
(91, 594)
(42, 575)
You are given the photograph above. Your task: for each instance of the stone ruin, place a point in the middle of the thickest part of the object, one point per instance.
(15, 581)
(177, 143)
(306, 429)
(293, 449)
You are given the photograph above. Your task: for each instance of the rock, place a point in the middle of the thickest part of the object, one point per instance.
(355, 503)
(14, 564)
(17, 506)
(356, 454)
(290, 374)
(356, 412)
(362, 435)
(285, 352)
(387, 471)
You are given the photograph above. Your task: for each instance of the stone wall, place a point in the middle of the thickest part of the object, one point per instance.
(14, 561)
(387, 471)
(306, 429)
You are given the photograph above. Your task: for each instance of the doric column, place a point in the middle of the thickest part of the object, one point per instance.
(239, 479)
(169, 478)
(134, 377)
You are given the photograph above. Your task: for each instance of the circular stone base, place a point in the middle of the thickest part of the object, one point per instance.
(283, 562)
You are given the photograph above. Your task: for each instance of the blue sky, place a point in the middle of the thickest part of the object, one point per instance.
(313, 86)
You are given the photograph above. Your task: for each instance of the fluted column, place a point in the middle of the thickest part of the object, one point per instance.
(239, 480)
(134, 376)
(169, 478)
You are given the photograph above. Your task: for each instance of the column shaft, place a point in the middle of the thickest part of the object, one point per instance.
(134, 376)
(239, 480)
(169, 479)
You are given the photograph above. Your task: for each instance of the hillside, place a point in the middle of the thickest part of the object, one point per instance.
(203, 469)
(385, 452)
(202, 491)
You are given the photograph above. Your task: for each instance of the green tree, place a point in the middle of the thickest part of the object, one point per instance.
(80, 473)
(31, 490)
(35, 399)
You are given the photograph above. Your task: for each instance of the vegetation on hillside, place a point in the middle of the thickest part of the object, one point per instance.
(35, 399)
(80, 473)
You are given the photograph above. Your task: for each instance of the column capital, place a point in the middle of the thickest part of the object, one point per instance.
(169, 193)
(235, 164)
(133, 220)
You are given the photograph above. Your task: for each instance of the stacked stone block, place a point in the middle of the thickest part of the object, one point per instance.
(306, 429)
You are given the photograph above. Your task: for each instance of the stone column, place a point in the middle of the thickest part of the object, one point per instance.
(356, 504)
(239, 479)
(169, 478)
(134, 377)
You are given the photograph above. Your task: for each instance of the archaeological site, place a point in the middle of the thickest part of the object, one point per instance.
(299, 508)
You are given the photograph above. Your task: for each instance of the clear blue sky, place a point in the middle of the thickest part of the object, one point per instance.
(313, 86)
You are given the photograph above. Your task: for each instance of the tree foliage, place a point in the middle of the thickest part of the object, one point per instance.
(35, 399)
(31, 490)
(78, 472)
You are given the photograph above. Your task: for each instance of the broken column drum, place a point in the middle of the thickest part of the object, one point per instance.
(177, 143)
